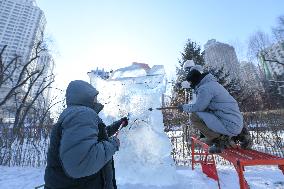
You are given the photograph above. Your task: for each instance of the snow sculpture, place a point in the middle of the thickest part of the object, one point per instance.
(144, 155)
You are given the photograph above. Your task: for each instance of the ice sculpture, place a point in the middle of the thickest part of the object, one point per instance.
(144, 155)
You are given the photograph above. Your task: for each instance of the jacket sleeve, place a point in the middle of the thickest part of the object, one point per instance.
(113, 128)
(203, 99)
(80, 152)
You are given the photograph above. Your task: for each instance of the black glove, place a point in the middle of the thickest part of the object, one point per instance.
(124, 122)
(102, 132)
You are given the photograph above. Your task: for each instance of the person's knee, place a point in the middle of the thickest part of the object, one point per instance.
(194, 117)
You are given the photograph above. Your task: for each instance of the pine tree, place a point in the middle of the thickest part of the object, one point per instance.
(192, 51)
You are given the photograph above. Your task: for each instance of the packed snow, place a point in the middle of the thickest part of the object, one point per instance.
(262, 177)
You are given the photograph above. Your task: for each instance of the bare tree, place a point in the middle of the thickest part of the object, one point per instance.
(278, 31)
(26, 105)
(258, 47)
(25, 83)
(258, 43)
(26, 75)
(8, 74)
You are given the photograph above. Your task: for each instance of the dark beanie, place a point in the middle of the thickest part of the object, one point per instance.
(194, 77)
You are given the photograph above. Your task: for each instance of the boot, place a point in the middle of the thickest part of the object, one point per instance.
(245, 139)
(201, 135)
(215, 149)
(206, 141)
(247, 142)
(221, 143)
(231, 144)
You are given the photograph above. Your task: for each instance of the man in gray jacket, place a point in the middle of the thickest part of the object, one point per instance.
(81, 146)
(215, 113)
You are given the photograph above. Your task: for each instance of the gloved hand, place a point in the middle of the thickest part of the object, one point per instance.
(180, 108)
(124, 121)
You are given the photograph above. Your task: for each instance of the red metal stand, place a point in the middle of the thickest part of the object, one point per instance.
(206, 160)
(238, 157)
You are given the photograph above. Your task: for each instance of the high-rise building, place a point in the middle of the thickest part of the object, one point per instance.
(21, 24)
(219, 55)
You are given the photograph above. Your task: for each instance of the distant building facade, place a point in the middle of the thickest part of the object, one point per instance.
(219, 55)
(21, 23)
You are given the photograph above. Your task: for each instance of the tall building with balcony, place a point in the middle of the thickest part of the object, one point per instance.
(219, 55)
(21, 24)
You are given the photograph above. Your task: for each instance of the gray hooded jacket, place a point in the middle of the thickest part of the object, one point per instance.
(81, 153)
(216, 107)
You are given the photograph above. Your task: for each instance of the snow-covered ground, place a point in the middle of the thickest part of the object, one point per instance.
(262, 177)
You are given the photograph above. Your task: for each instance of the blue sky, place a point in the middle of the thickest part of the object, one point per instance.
(113, 33)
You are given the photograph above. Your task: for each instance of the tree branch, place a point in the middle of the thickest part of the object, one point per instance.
(270, 60)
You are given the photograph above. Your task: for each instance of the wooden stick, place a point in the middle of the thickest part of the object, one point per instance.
(167, 108)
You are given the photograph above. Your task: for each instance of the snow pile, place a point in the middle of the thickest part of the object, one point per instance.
(260, 177)
(144, 155)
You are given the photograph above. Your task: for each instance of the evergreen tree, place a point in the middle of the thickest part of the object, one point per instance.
(192, 51)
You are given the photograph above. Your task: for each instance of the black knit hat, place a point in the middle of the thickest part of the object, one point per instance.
(194, 77)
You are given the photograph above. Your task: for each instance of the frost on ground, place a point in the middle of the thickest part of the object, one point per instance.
(260, 177)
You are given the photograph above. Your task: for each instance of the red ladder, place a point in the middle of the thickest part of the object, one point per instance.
(238, 157)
